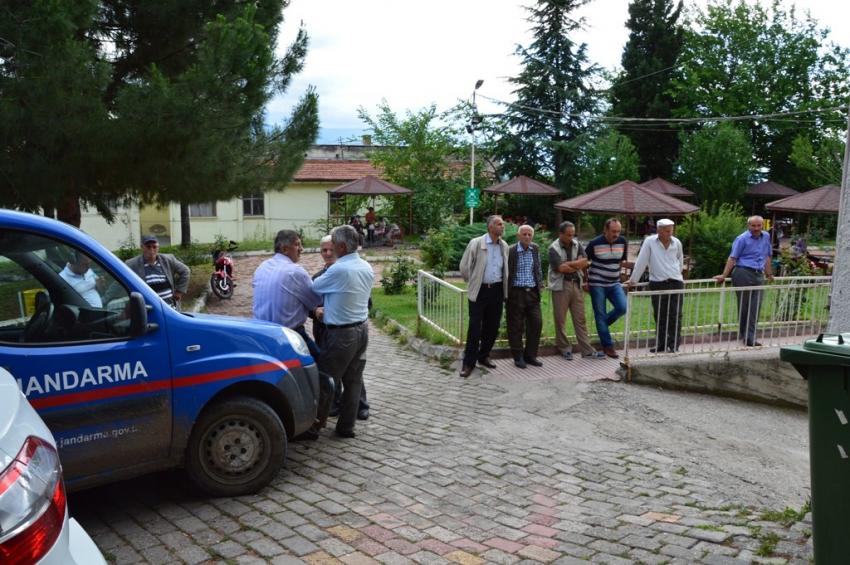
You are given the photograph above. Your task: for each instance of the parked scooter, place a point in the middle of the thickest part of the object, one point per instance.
(221, 281)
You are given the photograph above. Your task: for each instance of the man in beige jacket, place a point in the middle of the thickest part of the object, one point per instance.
(484, 267)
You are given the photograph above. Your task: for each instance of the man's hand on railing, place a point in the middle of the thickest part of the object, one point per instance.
(720, 278)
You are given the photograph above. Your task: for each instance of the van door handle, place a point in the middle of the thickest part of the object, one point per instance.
(191, 348)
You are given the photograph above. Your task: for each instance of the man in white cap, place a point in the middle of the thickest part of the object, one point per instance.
(662, 253)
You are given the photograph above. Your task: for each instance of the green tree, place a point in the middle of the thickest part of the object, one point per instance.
(642, 89)
(822, 163)
(172, 95)
(606, 159)
(717, 163)
(745, 59)
(417, 152)
(538, 135)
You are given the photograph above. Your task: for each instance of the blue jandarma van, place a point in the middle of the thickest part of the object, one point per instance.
(129, 385)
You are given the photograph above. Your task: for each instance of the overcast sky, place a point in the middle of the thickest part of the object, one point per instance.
(415, 53)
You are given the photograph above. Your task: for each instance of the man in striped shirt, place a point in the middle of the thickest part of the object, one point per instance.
(606, 254)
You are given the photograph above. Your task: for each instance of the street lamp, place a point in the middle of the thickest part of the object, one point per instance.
(476, 119)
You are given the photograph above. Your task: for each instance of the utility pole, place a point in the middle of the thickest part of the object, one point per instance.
(839, 302)
(472, 197)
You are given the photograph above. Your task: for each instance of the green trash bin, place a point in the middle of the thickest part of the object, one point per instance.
(825, 363)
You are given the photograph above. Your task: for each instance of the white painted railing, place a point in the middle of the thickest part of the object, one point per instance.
(791, 308)
(441, 306)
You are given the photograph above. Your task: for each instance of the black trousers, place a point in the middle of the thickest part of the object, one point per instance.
(668, 314)
(524, 317)
(344, 358)
(485, 317)
(749, 302)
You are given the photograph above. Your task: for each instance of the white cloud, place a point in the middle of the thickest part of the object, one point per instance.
(415, 54)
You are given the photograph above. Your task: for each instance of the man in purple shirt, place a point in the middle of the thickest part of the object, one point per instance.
(283, 291)
(750, 259)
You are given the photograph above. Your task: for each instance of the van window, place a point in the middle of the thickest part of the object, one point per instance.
(51, 292)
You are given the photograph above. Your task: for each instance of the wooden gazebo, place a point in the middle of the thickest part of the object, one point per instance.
(664, 186)
(370, 185)
(521, 186)
(627, 198)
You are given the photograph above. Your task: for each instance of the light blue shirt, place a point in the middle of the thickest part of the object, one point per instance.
(751, 252)
(283, 292)
(346, 287)
(495, 261)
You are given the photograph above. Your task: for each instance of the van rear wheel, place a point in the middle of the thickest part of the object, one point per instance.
(237, 447)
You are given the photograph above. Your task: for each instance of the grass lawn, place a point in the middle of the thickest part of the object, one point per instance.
(700, 309)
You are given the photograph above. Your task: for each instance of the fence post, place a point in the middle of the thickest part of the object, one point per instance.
(460, 335)
(722, 303)
(627, 327)
(419, 287)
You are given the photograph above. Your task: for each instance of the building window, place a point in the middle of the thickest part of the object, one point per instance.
(203, 210)
(253, 204)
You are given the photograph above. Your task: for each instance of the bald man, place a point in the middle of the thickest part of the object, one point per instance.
(749, 264)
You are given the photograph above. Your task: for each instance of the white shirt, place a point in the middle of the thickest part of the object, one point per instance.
(495, 261)
(85, 285)
(663, 263)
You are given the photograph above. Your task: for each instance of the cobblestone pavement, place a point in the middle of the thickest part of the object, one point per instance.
(490, 470)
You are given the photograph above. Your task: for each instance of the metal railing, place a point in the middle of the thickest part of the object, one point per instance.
(716, 318)
(441, 306)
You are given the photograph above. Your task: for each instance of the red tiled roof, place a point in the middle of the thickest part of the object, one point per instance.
(823, 200)
(369, 185)
(664, 186)
(628, 198)
(770, 189)
(523, 185)
(334, 170)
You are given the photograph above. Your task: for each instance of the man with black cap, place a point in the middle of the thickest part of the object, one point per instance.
(662, 254)
(163, 272)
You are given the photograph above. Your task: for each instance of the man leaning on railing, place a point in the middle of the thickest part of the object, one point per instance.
(750, 259)
(662, 254)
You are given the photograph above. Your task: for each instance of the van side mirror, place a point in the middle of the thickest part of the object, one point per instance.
(138, 313)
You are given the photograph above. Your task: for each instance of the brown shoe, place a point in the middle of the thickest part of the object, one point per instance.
(610, 352)
(487, 362)
(465, 371)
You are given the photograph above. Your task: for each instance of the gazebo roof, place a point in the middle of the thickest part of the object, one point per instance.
(627, 198)
(525, 186)
(823, 200)
(664, 186)
(770, 189)
(369, 185)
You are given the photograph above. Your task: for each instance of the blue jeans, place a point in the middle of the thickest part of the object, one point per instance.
(598, 296)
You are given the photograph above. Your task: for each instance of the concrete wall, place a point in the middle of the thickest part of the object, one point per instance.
(125, 230)
(759, 376)
(295, 208)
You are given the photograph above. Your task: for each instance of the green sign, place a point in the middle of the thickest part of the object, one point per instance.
(472, 197)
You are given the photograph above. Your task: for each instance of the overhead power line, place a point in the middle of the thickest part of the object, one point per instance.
(660, 121)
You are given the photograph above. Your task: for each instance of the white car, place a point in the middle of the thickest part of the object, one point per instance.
(34, 522)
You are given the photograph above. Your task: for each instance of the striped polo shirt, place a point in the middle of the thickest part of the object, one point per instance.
(605, 260)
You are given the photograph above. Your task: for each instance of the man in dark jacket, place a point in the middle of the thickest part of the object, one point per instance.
(164, 273)
(525, 282)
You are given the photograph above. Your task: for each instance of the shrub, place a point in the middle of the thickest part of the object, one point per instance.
(435, 250)
(399, 273)
(713, 231)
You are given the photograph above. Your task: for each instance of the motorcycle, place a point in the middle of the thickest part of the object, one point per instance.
(221, 281)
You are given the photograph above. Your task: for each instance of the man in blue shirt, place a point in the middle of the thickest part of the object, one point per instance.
(346, 287)
(750, 259)
(283, 291)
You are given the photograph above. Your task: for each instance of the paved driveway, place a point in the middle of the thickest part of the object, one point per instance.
(561, 468)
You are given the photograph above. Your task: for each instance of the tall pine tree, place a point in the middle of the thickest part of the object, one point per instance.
(643, 87)
(152, 101)
(540, 132)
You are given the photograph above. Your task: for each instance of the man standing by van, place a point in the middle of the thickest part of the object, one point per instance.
(163, 272)
(346, 287)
